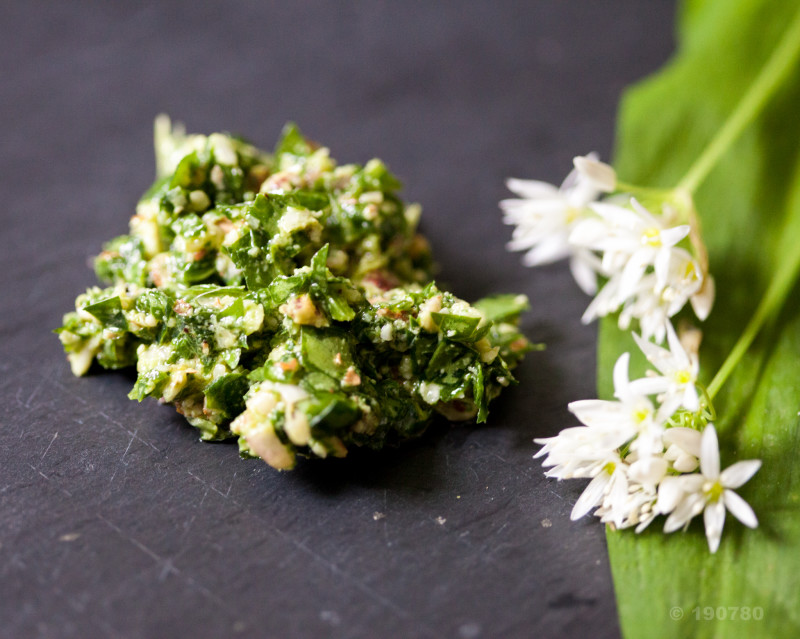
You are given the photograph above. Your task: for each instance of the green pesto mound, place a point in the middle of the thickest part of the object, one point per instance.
(287, 301)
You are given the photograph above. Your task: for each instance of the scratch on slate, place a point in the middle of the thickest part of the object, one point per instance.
(72, 396)
(501, 458)
(300, 545)
(167, 566)
(491, 452)
(228, 492)
(128, 447)
(35, 391)
(122, 459)
(46, 450)
(61, 488)
(212, 487)
(187, 525)
(131, 433)
(387, 603)
(167, 569)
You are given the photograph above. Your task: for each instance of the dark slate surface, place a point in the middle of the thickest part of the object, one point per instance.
(114, 519)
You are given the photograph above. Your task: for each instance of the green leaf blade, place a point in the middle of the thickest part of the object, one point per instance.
(750, 210)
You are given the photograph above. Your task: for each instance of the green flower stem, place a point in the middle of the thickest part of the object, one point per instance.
(624, 187)
(773, 300)
(769, 79)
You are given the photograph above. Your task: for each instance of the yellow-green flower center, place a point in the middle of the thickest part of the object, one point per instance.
(682, 377)
(651, 237)
(640, 415)
(571, 214)
(689, 272)
(714, 492)
(609, 468)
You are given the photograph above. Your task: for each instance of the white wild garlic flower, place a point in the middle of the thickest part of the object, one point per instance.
(544, 216)
(640, 464)
(648, 276)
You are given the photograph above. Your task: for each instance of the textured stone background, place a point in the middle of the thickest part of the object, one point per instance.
(114, 520)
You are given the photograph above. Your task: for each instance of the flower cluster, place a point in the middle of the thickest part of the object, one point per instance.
(652, 450)
(648, 264)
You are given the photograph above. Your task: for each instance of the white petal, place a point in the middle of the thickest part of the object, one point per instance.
(590, 259)
(531, 226)
(691, 401)
(670, 237)
(617, 215)
(648, 471)
(600, 173)
(685, 463)
(648, 442)
(533, 189)
(654, 354)
(549, 250)
(572, 181)
(686, 438)
(739, 473)
(683, 513)
(657, 330)
(676, 348)
(670, 492)
(618, 245)
(621, 374)
(620, 481)
(661, 266)
(693, 483)
(669, 404)
(646, 216)
(558, 473)
(714, 518)
(603, 303)
(590, 497)
(584, 275)
(547, 211)
(709, 453)
(515, 209)
(649, 386)
(588, 232)
(522, 239)
(617, 497)
(703, 300)
(592, 312)
(595, 411)
(645, 522)
(633, 272)
(740, 509)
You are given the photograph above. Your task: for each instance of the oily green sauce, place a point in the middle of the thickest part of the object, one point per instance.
(288, 301)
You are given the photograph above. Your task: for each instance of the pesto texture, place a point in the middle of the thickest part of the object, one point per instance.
(288, 301)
